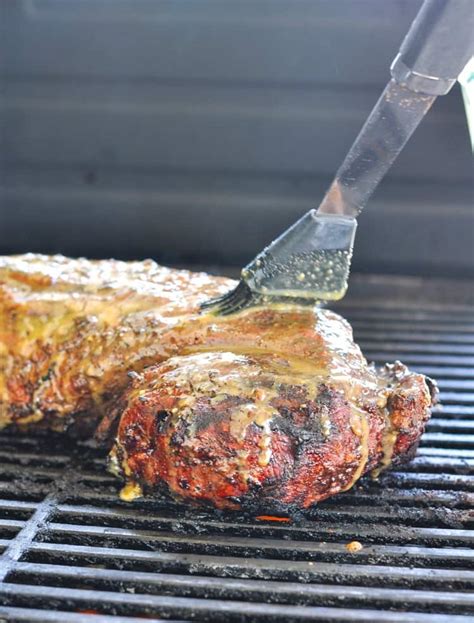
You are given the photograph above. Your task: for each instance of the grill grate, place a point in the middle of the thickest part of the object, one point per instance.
(71, 551)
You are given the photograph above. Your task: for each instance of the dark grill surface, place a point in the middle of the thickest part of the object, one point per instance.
(73, 552)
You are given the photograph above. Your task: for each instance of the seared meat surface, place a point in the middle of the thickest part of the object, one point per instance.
(269, 405)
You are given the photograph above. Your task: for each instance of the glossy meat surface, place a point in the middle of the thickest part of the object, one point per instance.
(269, 405)
(70, 330)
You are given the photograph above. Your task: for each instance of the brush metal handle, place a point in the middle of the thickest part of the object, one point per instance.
(393, 120)
(432, 55)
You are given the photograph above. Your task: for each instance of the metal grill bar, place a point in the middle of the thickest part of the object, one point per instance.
(17, 546)
(251, 590)
(265, 548)
(43, 616)
(219, 610)
(255, 568)
(71, 551)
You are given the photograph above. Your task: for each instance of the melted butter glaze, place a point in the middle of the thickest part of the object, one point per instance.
(70, 329)
(359, 422)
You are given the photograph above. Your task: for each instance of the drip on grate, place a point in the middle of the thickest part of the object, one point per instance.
(72, 551)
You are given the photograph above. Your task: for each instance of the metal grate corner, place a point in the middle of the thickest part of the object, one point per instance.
(71, 551)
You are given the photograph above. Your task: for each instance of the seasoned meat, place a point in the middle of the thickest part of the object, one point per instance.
(226, 428)
(271, 405)
(70, 330)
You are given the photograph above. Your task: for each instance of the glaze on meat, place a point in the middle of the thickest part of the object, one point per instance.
(272, 405)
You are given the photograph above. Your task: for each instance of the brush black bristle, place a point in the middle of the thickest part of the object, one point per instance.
(242, 297)
(233, 301)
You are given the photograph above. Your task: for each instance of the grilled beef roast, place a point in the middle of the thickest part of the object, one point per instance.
(275, 405)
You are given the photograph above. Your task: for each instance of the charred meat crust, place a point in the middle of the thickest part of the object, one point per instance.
(272, 441)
